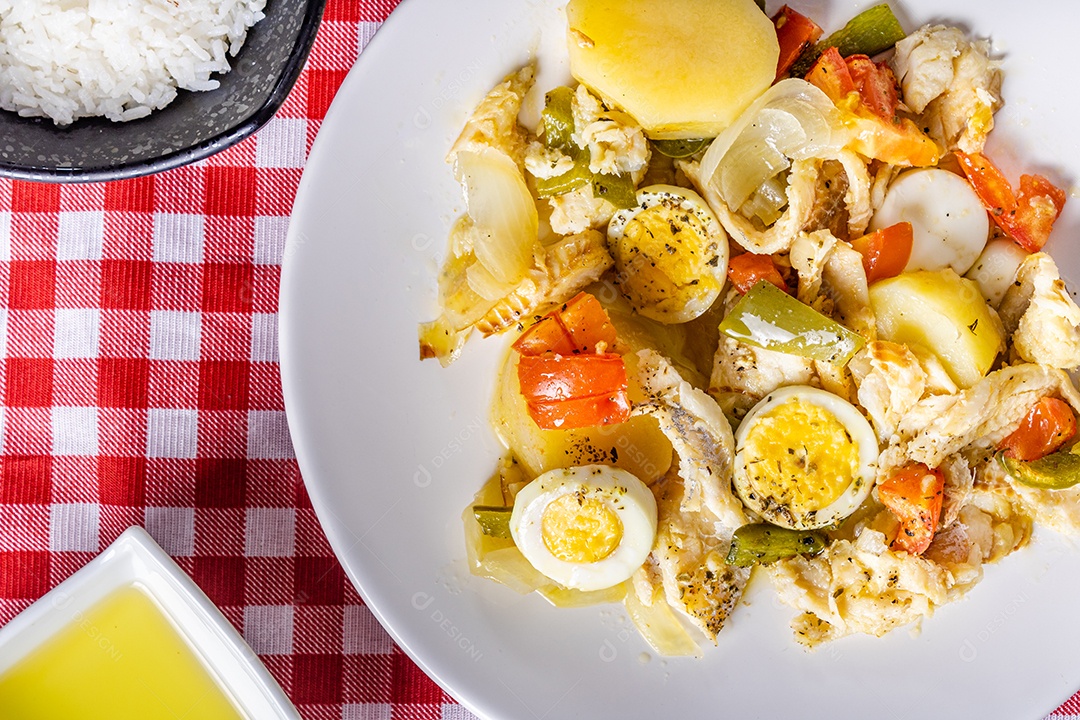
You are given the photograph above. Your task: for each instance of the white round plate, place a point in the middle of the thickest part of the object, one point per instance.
(392, 449)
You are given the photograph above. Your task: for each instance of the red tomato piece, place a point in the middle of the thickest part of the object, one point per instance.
(885, 252)
(574, 391)
(547, 335)
(838, 77)
(867, 97)
(1028, 217)
(580, 412)
(831, 74)
(876, 84)
(914, 495)
(795, 33)
(564, 372)
(990, 185)
(576, 326)
(1038, 205)
(744, 272)
(588, 324)
(1045, 429)
(552, 377)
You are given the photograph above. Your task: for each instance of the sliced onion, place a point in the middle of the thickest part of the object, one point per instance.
(660, 626)
(756, 157)
(768, 201)
(509, 567)
(502, 211)
(792, 118)
(820, 133)
(462, 306)
(484, 284)
(562, 597)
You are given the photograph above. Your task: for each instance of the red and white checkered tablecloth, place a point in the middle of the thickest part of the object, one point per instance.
(140, 386)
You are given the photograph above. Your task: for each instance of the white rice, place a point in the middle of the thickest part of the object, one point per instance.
(122, 59)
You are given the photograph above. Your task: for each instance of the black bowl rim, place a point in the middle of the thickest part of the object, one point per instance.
(225, 139)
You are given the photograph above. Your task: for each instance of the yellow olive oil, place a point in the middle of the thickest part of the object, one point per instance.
(121, 659)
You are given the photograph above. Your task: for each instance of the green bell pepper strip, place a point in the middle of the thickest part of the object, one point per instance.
(1056, 471)
(558, 118)
(494, 521)
(769, 318)
(572, 179)
(762, 543)
(872, 31)
(616, 189)
(680, 148)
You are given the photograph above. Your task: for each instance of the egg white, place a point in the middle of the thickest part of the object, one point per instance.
(948, 221)
(849, 500)
(623, 493)
(995, 270)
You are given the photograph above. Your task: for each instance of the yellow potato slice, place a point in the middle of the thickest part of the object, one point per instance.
(945, 314)
(681, 68)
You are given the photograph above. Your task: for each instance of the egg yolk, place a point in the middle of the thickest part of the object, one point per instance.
(800, 455)
(664, 245)
(580, 530)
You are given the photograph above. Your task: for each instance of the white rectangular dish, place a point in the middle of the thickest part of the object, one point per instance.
(135, 560)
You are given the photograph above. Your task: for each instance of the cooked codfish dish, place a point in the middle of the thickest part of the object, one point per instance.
(771, 311)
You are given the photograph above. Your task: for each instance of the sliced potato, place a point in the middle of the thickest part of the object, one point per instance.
(637, 445)
(943, 313)
(681, 68)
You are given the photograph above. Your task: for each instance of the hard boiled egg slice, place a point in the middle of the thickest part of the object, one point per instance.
(805, 458)
(948, 222)
(670, 253)
(995, 270)
(587, 527)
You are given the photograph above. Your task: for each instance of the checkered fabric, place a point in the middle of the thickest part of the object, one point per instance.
(140, 386)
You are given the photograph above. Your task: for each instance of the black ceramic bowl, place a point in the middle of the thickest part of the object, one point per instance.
(193, 126)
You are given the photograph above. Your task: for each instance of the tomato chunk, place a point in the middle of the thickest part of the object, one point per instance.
(1045, 429)
(876, 84)
(574, 391)
(580, 412)
(830, 73)
(1038, 204)
(746, 270)
(576, 326)
(865, 92)
(564, 372)
(990, 184)
(553, 377)
(838, 77)
(914, 495)
(885, 252)
(795, 33)
(1027, 217)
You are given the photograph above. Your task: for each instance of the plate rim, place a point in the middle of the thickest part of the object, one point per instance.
(317, 492)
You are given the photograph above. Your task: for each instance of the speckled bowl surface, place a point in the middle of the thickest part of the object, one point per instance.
(193, 126)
